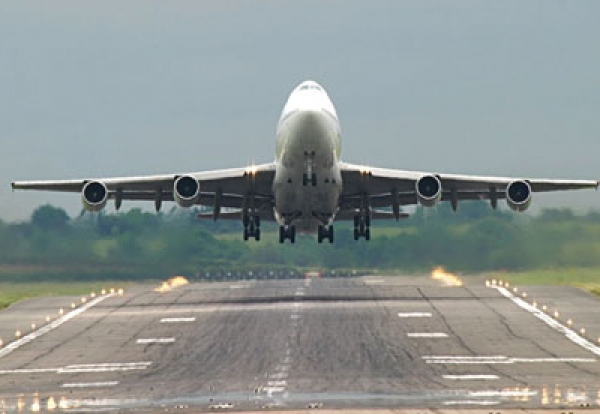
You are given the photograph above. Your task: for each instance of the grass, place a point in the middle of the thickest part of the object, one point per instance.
(14, 292)
(584, 278)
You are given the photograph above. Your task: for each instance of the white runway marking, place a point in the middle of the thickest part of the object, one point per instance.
(497, 359)
(240, 286)
(29, 371)
(105, 367)
(553, 323)
(271, 390)
(503, 393)
(374, 281)
(51, 326)
(471, 377)
(427, 335)
(177, 320)
(471, 402)
(91, 384)
(414, 315)
(82, 368)
(155, 341)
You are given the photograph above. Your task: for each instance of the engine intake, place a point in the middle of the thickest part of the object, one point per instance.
(429, 190)
(186, 191)
(94, 196)
(518, 195)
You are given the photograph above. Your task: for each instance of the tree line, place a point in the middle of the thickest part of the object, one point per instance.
(142, 245)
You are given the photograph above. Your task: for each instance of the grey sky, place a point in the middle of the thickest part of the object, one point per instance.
(139, 87)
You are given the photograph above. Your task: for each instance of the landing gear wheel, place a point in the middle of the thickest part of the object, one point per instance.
(251, 227)
(362, 227)
(325, 232)
(287, 232)
(312, 180)
(281, 234)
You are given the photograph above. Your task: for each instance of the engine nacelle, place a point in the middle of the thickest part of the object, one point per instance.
(94, 196)
(186, 191)
(518, 195)
(429, 190)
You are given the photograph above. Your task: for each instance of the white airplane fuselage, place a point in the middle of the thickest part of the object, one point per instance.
(308, 179)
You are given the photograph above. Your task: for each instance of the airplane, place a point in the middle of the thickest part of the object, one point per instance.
(307, 187)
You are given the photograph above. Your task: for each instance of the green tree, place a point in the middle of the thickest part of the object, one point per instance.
(48, 217)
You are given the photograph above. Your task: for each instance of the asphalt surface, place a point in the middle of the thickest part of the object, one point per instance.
(372, 342)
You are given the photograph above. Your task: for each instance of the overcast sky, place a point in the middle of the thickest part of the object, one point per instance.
(109, 88)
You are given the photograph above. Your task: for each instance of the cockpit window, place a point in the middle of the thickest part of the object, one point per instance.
(310, 87)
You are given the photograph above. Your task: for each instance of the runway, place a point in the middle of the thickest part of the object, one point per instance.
(370, 342)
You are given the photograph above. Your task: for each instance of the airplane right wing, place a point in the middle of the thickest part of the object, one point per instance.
(365, 188)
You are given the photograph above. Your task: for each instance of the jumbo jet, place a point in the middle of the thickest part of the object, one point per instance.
(307, 187)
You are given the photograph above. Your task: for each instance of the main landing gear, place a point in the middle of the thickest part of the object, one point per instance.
(251, 227)
(287, 232)
(362, 227)
(325, 232)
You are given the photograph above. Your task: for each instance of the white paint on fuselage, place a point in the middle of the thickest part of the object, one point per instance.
(308, 141)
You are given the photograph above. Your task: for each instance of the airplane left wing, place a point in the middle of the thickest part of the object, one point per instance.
(235, 188)
(380, 187)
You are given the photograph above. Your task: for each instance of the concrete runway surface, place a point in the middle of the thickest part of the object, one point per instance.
(392, 343)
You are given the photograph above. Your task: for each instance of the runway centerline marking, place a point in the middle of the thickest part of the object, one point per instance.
(178, 320)
(553, 323)
(9, 348)
(427, 335)
(471, 377)
(414, 315)
(91, 384)
(155, 341)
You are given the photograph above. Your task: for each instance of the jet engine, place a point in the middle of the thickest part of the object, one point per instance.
(186, 191)
(518, 195)
(94, 196)
(429, 190)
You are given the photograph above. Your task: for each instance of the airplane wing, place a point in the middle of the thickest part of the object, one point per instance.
(380, 187)
(229, 188)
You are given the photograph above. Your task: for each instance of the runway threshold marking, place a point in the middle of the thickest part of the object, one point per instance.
(471, 377)
(91, 384)
(551, 322)
(427, 335)
(155, 341)
(177, 320)
(414, 315)
(9, 348)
